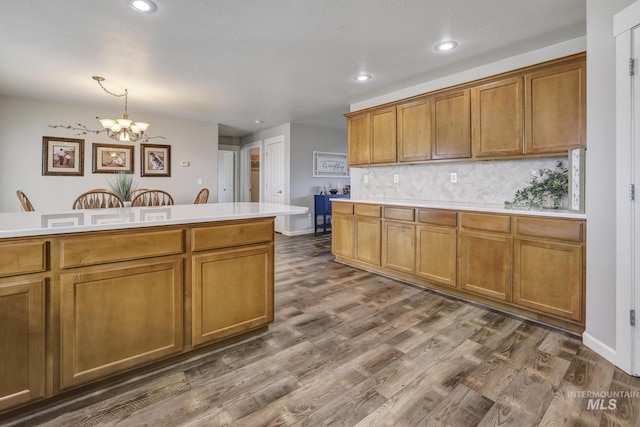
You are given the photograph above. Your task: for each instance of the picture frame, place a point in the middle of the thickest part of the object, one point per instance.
(62, 156)
(112, 158)
(155, 160)
(330, 165)
(576, 178)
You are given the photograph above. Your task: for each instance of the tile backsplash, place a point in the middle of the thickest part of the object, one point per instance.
(486, 182)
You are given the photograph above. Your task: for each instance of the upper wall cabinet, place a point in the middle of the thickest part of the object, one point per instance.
(359, 137)
(452, 123)
(555, 101)
(383, 135)
(497, 118)
(534, 111)
(415, 130)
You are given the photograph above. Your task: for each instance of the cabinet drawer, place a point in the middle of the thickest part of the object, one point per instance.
(22, 258)
(367, 210)
(551, 228)
(221, 236)
(343, 208)
(501, 224)
(119, 246)
(401, 214)
(436, 217)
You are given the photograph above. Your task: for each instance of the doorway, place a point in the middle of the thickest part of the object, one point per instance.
(251, 173)
(274, 175)
(226, 176)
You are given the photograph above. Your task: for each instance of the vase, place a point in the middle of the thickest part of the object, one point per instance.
(550, 202)
(127, 203)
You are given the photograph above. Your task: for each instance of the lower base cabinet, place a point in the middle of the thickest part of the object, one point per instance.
(486, 264)
(232, 292)
(22, 342)
(118, 318)
(531, 265)
(548, 276)
(436, 254)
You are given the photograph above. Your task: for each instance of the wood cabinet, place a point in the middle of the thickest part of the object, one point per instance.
(367, 238)
(232, 292)
(383, 135)
(22, 334)
(436, 246)
(119, 317)
(556, 108)
(452, 125)
(549, 266)
(497, 118)
(398, 239)
(359, 139)
(533, 266)
(534, 111)
(414, 123)
(342, 223)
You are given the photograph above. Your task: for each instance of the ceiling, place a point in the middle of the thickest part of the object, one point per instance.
(237, 61)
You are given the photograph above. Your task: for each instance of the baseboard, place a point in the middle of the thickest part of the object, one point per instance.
(599, 347)
(297, 233)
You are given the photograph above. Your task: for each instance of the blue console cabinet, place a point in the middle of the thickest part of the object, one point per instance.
(322, 208)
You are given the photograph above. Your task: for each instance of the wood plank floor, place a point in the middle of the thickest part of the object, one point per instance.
(350, 348)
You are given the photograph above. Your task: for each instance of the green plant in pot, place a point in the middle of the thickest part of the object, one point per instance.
(547, 189)
(123, 185)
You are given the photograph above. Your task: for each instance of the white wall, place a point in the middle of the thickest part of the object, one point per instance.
(23, 123)
(600, 197)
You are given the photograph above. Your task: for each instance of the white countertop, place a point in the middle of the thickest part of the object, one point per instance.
(477, 207)
(19, 224)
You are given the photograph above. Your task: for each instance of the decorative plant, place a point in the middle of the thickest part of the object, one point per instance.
(123, 185)
(547, 189)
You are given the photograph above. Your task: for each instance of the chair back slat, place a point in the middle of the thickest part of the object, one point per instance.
(25, 204)
(152, 198)
(98, 199)
(202, 197)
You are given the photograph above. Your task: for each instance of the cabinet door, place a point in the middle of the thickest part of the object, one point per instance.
(359, 139)
(452, 123)
(436, 254)
(383, 135)
(117, 318)
(367, 240)
(342, 235)
(398, 246)
(232, 292)
(486, 264)
(414, 130)
(497, 118)
(22, 334)
(558, 293)
(556, 109)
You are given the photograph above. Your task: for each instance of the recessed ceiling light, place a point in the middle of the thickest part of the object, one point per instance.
(446, 45)
(145, 6)
(363, 77)
(258, 122)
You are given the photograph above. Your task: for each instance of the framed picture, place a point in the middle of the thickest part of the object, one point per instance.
(62, 220)
(576, 178)
(155, 160)
(331, 165)
(62, 156)
(112, 158)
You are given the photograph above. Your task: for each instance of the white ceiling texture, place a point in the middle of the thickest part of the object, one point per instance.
(237, 61)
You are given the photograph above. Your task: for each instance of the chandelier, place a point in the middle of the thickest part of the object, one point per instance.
(123, 129)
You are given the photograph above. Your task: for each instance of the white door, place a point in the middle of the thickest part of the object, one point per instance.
(226, 176)
(274, 175)
(627, 183)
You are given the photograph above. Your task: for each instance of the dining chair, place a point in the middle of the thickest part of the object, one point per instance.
(202, 197)
(137, 191)
(98, 199)
(152, 198)
(25, 204)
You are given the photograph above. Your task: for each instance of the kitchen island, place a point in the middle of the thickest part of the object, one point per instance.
(89, 297)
